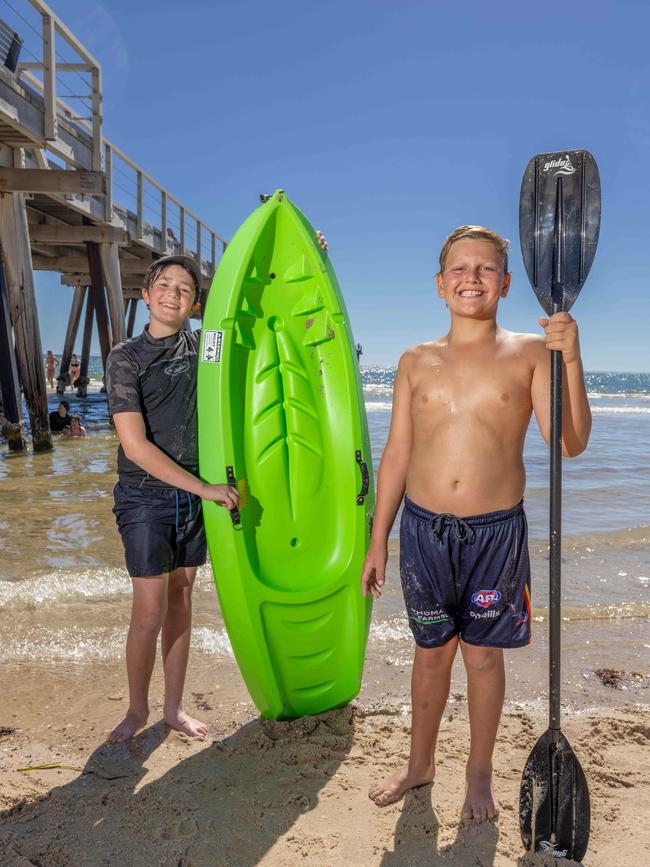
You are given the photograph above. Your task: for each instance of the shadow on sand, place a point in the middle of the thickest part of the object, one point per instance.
(416, 838)
(225, 805)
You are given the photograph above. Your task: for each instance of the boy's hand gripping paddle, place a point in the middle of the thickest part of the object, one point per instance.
(559, 221)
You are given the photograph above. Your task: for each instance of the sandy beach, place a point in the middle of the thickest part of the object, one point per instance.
(285, 793)
(259, 792)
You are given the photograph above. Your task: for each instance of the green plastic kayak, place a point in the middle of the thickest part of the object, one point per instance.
(281, 414)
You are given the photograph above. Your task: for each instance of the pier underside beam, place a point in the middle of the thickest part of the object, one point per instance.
(19, 277)
(130, 289)
(46, 234)
(51, 181)
(78, 264)
(9, 384)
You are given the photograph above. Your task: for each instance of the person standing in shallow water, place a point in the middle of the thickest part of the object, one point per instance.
(461, 408)
(50, 366)
(74, 369)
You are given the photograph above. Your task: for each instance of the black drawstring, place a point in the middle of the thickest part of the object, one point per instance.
(461, 528)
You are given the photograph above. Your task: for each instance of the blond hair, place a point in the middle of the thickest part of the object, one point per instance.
(480, 232)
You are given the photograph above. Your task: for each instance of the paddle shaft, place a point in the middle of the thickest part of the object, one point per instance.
(555, 553)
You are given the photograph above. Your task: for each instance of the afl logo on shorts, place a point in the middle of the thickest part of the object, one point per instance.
(486, 598)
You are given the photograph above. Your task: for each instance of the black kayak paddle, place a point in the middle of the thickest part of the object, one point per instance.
(559, 221)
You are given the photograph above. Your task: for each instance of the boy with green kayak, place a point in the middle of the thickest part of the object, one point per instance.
(151, 382)
(461, 408)
(151, 385)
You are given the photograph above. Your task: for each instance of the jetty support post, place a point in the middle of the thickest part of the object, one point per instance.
(109, 254)
(133, 309)
(99, 299)
(70, 337)
(82, 379)
(17, 259)
(9, 384)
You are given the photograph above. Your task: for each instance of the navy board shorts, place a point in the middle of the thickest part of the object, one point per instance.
(161, 529)
(466, 576)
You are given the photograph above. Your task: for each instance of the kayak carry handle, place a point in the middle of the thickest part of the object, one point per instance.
(234, 513)
(365, 479)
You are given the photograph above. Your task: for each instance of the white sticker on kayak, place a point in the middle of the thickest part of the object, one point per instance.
(212, 341)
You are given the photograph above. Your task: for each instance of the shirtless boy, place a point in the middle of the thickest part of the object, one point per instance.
(461, 408)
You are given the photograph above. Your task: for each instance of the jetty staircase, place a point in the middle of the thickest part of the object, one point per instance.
(71, 202)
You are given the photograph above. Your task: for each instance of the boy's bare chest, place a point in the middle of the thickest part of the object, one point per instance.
(481, 385)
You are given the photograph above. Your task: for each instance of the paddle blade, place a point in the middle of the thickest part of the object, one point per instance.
(554, 810)
(559, 222)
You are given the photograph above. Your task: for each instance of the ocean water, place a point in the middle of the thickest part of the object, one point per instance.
(605, 489)
(95, 369)
(62, 573)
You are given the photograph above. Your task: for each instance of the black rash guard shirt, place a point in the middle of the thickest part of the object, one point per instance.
(157, 378)
(59, 422)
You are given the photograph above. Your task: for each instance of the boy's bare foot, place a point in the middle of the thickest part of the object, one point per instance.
(127, 727)
(480, 803)
(182, 722)
(392, 788)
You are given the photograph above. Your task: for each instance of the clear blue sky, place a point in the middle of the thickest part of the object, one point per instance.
(389, 124)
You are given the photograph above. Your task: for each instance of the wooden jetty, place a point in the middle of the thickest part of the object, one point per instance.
(73, 203)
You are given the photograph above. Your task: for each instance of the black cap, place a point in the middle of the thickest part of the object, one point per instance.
(186, 262)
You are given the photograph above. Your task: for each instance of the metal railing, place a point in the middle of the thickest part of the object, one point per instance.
(181, 230)
(49, 68)
(162, 221)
